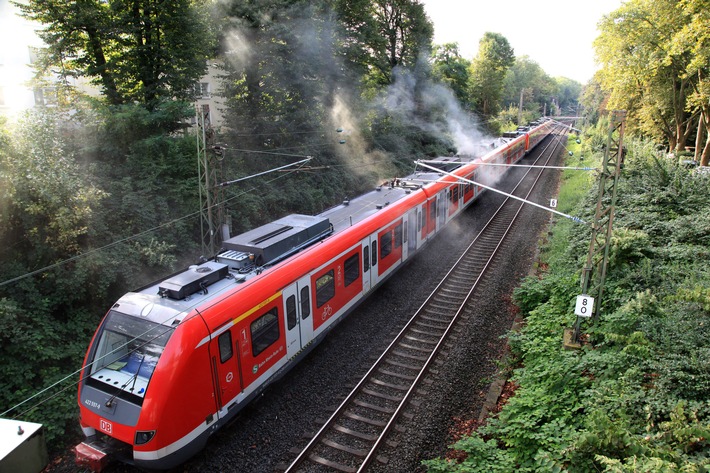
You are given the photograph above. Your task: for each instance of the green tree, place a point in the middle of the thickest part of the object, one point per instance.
(593, 101)
(452, 69)
(539, 91)
(134, 50)
(487, 72)
(569, 92)
(645, 70)
(694, 37)
(384, 34)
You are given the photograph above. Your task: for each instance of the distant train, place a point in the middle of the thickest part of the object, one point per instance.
(173, 362)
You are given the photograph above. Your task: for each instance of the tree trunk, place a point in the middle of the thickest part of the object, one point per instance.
(699, 138)
(705, 157)
(107, 79)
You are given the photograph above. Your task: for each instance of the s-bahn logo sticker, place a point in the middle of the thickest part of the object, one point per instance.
(255, 369)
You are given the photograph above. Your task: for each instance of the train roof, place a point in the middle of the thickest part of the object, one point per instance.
(247, 255)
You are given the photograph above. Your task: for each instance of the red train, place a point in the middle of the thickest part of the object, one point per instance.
(173, 362)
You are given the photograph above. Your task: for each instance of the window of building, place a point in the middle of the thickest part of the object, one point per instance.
(202, 90)
(264, 331)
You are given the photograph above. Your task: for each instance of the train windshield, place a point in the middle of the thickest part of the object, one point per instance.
(127, 352)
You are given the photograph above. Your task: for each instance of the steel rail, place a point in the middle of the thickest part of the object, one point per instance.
(398, 348)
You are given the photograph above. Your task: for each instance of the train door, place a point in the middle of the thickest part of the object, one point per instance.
(294, 308)
(442, 201)
(430, 219)
(366, 265)
(421, 224)
(371, 244)
(410, 233)
(225, 367)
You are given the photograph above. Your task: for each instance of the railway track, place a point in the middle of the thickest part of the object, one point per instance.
(351, 439)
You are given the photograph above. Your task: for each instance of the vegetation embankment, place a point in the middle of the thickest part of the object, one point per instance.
(636, 396)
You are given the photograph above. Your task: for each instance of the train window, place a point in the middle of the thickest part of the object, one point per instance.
(325, 288)
(374, 253)
(225, 346)
(305, 302)
(398, 236)
(352, 269)
(264, 331)
(454, 193)
(432, 211)
(385, 245)
(366, 259)
(291, 315)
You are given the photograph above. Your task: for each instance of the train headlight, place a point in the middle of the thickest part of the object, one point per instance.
(144, 436)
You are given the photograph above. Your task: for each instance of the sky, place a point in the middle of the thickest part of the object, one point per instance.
(556, 34)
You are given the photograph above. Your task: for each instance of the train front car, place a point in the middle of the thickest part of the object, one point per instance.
(141, 395)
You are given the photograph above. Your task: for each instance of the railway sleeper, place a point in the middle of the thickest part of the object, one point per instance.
(366, 420)
(412, 347)
(344, 448)
(331, 464)
(463, 279)
(416, 368)
(427, 332)
(421, 340)
(382, 395)
(428, 318)
(374, 407)
(397, 375)
(398, 387)
(419, 323)
(413, 357)
(355, 433)
(442, 315)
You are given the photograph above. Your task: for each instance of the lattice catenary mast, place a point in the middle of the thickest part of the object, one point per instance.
(594, 272)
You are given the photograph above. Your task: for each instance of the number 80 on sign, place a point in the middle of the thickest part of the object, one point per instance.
(585, 306)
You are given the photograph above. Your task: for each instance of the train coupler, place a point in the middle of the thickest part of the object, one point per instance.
(92, 455)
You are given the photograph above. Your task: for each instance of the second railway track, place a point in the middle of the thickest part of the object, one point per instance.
(351, 439)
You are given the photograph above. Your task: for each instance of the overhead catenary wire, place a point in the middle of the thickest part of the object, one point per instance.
(469, 181)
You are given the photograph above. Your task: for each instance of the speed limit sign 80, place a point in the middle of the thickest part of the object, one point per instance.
(584, 306)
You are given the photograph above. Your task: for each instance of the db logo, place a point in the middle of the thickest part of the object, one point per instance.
(106, 426)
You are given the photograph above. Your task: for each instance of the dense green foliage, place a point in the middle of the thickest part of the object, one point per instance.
(636, 397)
